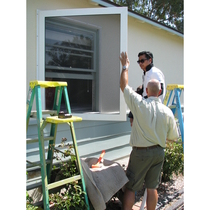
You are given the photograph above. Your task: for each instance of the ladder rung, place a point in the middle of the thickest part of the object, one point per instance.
(55, 162)
(64, 181)
(34, 140)
(36, 182)
(34, 164)
(44, 112)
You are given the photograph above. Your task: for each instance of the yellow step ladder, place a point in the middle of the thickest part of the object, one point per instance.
(54, 120)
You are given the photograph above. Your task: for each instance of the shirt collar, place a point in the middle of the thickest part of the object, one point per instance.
(148, 67)
(154, 98)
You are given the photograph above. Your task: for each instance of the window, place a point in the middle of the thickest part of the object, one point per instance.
(70, 55)
(82, 47)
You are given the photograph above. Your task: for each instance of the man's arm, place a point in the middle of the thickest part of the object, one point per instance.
(124, 74)
(123, 79)
(172, 134)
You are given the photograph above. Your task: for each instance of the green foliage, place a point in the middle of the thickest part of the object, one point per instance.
(174, 160)
(71, 196)
(29, 205)
(167, 12)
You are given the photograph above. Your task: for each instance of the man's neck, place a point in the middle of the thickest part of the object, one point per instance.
(152, 96)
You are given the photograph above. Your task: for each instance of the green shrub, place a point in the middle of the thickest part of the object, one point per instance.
(174, 160)
(71, 196)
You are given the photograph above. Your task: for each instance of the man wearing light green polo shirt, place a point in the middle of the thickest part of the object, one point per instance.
(153, 124)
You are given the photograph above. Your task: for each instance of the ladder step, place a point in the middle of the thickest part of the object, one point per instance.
(57, 120)
(37, 181)
(34, 140)
(46, 84)
(64, 181)
(36, 164)
(174, 86)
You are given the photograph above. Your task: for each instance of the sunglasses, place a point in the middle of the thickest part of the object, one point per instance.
(142, 60)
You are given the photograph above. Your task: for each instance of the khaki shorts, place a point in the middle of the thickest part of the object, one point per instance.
(145, 165)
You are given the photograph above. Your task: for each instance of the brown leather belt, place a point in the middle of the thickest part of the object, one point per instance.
(151, 147)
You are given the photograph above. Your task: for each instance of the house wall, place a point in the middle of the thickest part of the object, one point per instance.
(167, 49)
(94, 136)
(31, 32)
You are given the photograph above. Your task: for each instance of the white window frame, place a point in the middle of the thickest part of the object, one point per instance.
(42, 14)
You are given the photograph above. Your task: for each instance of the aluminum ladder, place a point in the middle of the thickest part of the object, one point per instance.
(54, 120)
(172, 100)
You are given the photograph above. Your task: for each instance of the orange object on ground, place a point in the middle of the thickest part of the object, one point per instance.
(97, 165)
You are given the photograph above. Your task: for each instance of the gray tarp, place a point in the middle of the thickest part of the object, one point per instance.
(102, 183)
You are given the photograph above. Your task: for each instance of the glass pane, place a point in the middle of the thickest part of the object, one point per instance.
(80, 95)
(68, 47)
(69, 54)
(64, 57)
(66, 35)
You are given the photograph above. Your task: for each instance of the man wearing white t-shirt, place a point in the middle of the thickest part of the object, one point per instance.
(145, 62)
(150, 72)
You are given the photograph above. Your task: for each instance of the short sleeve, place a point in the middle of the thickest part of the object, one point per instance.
(173, 133)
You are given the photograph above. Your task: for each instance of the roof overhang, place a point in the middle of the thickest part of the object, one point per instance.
(141, 18)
